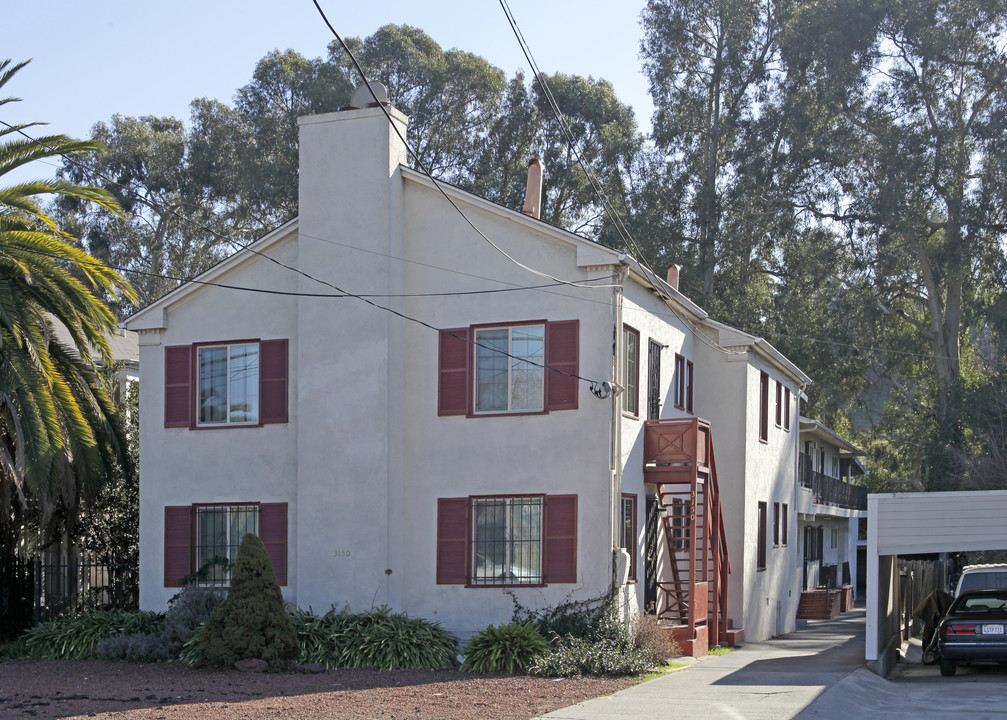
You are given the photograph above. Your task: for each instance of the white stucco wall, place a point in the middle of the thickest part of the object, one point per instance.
(364, 457)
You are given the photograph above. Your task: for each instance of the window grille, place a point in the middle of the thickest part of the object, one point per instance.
(507, 541)
(219, 530)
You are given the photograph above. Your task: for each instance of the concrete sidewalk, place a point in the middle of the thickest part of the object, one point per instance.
(775, 680)
(817, 672)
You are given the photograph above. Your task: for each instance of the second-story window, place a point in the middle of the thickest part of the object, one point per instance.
(631, 371)
(763, 407)
(228, 384)
(509, 369)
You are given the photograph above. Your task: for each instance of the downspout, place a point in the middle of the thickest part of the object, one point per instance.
(618, 350)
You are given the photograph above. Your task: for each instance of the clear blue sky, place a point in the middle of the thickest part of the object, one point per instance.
(94, 58)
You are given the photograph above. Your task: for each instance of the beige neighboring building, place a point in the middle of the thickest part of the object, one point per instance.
(399, 436)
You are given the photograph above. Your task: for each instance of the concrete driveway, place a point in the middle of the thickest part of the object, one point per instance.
(816, 672)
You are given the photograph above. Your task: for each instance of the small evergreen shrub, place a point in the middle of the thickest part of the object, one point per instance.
(77, 636)
(509, 648)
(136, 648)
(252, 622)
(379, 639)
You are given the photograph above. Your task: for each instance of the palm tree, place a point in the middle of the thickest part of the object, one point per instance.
(60, 434)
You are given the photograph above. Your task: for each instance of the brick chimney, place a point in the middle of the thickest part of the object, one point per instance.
(673, 270)
(533, 192)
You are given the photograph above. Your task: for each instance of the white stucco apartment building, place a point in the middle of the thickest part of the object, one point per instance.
(349, 388)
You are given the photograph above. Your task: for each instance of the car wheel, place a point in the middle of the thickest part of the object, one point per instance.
(948, 667)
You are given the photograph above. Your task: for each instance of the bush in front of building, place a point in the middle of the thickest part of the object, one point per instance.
(252, 622)
(78, 636)
(377, 640)
(509, 648)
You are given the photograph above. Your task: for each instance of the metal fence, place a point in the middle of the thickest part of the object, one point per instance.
(36, 590)
(829, 490)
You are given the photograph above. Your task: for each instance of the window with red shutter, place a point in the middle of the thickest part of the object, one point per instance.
(178, 390)
(453, 372)
(177, 545)
(452, 541)
(562, 350)
(507, 541)
(273, 371)
(273, 533)
(201, 541)
(560, 538)
(477, 374)
(201, 381)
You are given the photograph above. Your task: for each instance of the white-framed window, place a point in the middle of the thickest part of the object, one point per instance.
(631, 371)
(219, 530)
(228, 377)
(507, 541)
(835, 538)
(627, 530)
(510, 373)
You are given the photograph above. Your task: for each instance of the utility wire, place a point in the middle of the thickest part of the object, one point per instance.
(423, 168)
(596, 186)
(343, 293)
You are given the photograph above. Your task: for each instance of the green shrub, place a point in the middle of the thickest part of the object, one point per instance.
(576, 656)
(14, 650)
(136, 648)
(252, 622)
(77, 636)
(188, 610)
(508, 648)
(379, 639)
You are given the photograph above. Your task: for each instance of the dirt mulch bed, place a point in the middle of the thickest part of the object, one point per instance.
(169, 691)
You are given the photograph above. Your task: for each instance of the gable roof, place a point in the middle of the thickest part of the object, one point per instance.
(153, 316)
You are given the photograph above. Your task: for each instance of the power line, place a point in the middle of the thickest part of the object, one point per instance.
(610, 210)
(419, 162)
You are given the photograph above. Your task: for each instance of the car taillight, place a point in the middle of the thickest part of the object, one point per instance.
(959, 629)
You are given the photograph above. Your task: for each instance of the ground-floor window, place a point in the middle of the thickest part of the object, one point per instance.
(219, 530)
(507, 541)
(761, 548)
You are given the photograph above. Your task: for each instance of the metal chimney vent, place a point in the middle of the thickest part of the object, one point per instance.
(364, 96)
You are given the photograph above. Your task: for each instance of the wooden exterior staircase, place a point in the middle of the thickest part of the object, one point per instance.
(693, 590)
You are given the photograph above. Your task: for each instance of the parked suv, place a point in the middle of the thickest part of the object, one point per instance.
(982, 577)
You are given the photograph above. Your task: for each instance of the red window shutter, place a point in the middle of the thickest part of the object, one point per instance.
(177, 544)
(178, 392)
(561, 538)
(453, 377)
(273, 533)
(452, 541)
(273, 363)
(562, 348)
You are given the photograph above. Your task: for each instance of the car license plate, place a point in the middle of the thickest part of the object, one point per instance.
(993, 629)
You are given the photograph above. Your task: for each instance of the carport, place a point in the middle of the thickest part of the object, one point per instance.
(917, 523)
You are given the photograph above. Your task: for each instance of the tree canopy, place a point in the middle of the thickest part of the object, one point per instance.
(831, 175)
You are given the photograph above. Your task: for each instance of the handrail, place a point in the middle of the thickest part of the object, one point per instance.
(829, 490)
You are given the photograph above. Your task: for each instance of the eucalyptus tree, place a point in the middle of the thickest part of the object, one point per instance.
(911, 162)
(584, 135)
(60, 435)
(711, 68)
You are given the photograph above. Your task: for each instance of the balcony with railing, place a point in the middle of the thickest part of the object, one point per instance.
(830, 491)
